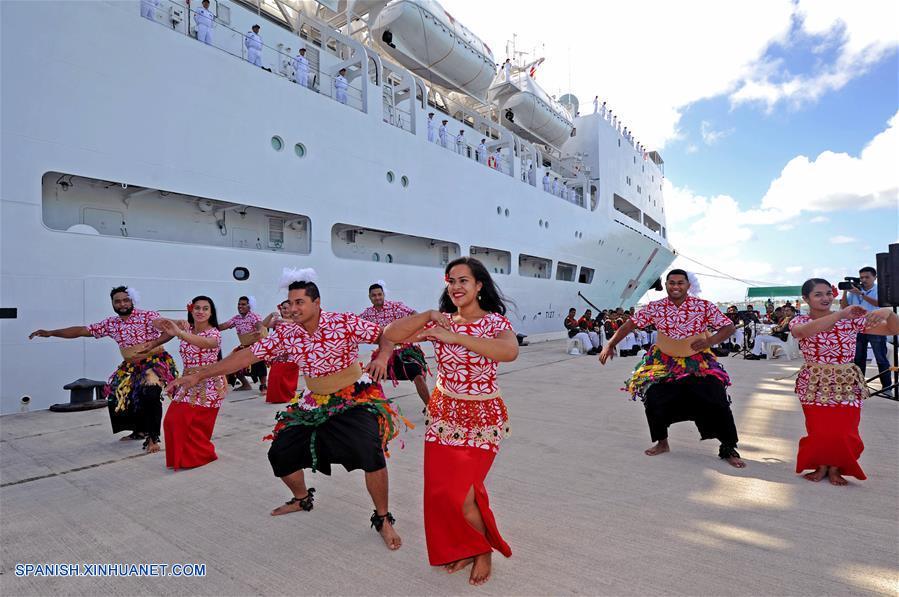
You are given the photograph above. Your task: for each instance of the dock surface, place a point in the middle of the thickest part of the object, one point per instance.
(585, 511)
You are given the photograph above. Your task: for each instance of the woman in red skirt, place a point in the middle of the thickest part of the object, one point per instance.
(466, 418)
(283, 375)
(191, 416)
(830, 386)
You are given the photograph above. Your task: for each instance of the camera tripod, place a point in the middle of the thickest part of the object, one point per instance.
(748, 326)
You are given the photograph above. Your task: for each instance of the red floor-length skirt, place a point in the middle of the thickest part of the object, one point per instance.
(832, 439)
(282, 382)
(188, 431)
(450, 472)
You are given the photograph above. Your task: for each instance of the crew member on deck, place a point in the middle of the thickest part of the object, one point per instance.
(301, 68)
(460, 142)
(432, 133)
(253, 43)
(680, 379)
(443, 134)
(547, 183)
(205, 22)
(340, 86)
(507, 70)
(482, 151)
(595, 104)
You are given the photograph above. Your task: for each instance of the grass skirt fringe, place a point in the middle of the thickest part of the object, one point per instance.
(658, 367)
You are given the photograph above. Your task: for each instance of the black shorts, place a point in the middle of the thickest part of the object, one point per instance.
(351, 439)
(405, 370)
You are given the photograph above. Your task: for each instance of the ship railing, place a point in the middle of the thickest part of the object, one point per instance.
(174, 15)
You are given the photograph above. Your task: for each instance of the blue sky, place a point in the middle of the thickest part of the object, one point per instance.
(775, 119)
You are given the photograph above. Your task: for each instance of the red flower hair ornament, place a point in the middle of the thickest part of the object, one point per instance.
(190, 307)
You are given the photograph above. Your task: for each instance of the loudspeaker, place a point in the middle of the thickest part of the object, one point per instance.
(888, 277)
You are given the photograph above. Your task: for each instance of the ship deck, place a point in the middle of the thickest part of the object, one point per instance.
(583, 509)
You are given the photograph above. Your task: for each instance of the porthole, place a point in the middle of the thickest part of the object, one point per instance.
(404, 180)
(241, 274)
(507, 213)
(546, 224)
(499, 210)
(540, 223)
(389, 258)
(277, 143)
(375, 257)
(300, 150)
(390, 176)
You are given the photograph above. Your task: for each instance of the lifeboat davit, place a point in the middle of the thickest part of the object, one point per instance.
(527, 109)
(427, 40)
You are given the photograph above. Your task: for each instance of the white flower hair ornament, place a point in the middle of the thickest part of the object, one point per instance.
(252, 300)
(134, 295)
(695, 287)
(289, 275)
(383, 286)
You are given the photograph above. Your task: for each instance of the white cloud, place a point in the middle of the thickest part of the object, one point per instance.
(691, 148)
(785, 227)
(793, 269)
(863, 33)
(819, 220)
(835, 181)
(843, 240)
(709, 135)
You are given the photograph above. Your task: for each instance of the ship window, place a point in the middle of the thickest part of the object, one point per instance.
(626, 207)
(565, 272)
(403, 249)
(499, 210)
(507, 212)
(404, 180)
(586, 275)
(496, 259)
(241, 274)
(127, 211)
(277, 143)
(300, 150)
(390, 176)
(534, 267)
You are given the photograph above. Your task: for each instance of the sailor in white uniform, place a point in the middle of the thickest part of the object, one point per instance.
(442, 134)
(602, 109)
(204, 20)
(253, 43)
(301, 68)
(595, 104)
(460, 142)
(340, 86)
(482, 151)
(432, 130)
(148, 9)
(532, 175)
(555, 190)
(507, 70)
(497, 157)
(546, 183)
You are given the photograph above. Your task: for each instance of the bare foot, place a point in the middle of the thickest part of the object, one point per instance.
(735, 461)
(835, 478)
(816, 476)
(458, 565)
(390, 536)
(291, 506)
(659, 448)
(152, 447)
(480, 572)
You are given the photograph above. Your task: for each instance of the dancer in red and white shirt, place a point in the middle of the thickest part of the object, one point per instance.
(830, 385)
(344, 417)
(407, 361)
(467, 417)
(284, 374)
(134, 390)
(680, 379)
(191, 416)
(249, 329)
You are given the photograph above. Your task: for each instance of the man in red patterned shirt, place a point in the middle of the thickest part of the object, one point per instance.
(408, 360)
(134, 390)
(680, 379)
(343, 417)
(249, 329)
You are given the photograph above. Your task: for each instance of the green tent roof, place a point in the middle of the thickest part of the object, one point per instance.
(773, 291)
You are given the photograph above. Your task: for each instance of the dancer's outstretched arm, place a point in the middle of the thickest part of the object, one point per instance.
(882, 322)
(503, 348)
(609, 349)
(407, 328)
(826, 323)
(230, 364)
(76, 331)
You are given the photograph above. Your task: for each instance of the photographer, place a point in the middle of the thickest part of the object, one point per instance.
(863, 291)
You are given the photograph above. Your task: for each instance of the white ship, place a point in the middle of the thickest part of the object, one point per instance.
(134, 154)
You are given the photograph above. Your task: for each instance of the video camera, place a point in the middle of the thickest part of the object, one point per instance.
(850, 283)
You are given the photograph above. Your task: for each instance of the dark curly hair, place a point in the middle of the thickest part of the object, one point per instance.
(490, 298)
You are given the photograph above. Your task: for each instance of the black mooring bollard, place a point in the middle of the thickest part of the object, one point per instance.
(86, 394)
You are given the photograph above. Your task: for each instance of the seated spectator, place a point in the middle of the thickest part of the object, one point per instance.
(585, 323)
(572, 326)
(778, 334)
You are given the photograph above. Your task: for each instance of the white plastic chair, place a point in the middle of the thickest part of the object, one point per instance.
(790, 348)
